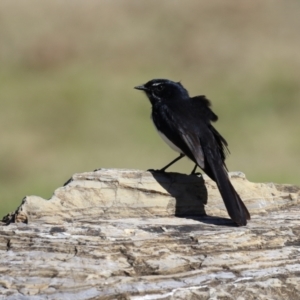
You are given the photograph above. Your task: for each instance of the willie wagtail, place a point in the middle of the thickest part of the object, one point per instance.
(184, 123)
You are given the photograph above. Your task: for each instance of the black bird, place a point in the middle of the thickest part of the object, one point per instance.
(184, 123)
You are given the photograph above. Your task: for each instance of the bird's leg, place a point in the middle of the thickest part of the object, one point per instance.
(194, 171)
(170, 164)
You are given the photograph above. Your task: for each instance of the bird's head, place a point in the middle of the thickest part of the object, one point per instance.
(163, 90)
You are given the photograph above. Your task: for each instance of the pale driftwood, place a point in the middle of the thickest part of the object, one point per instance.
(127, 234)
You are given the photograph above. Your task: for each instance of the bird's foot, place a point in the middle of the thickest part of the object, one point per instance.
(156, 171)
(196, 173)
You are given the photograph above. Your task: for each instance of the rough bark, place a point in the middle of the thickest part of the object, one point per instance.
(128, 234)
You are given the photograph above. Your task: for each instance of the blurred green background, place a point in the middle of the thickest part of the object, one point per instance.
(68, 68)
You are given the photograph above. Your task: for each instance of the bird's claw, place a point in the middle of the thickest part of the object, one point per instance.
(156, 171)
(196, 173)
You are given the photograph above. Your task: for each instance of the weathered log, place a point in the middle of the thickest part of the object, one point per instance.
(128, 234)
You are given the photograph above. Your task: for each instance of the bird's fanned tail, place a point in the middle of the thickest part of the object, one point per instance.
(234, 205)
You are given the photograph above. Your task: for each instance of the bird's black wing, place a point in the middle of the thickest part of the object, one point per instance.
(192, 141)
(202, 107)
(168, 122)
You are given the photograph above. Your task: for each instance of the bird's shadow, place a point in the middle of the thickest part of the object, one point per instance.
(190, 195)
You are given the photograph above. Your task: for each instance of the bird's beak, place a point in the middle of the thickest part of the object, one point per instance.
(141, 87)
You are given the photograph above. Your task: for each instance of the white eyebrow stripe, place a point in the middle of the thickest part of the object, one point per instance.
(155, 84)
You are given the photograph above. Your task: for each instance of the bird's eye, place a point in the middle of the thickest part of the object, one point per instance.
(160, 87)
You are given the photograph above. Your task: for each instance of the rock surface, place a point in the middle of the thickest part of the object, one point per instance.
(128, 234)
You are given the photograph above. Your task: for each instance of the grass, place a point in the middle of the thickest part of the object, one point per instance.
(67, 102)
